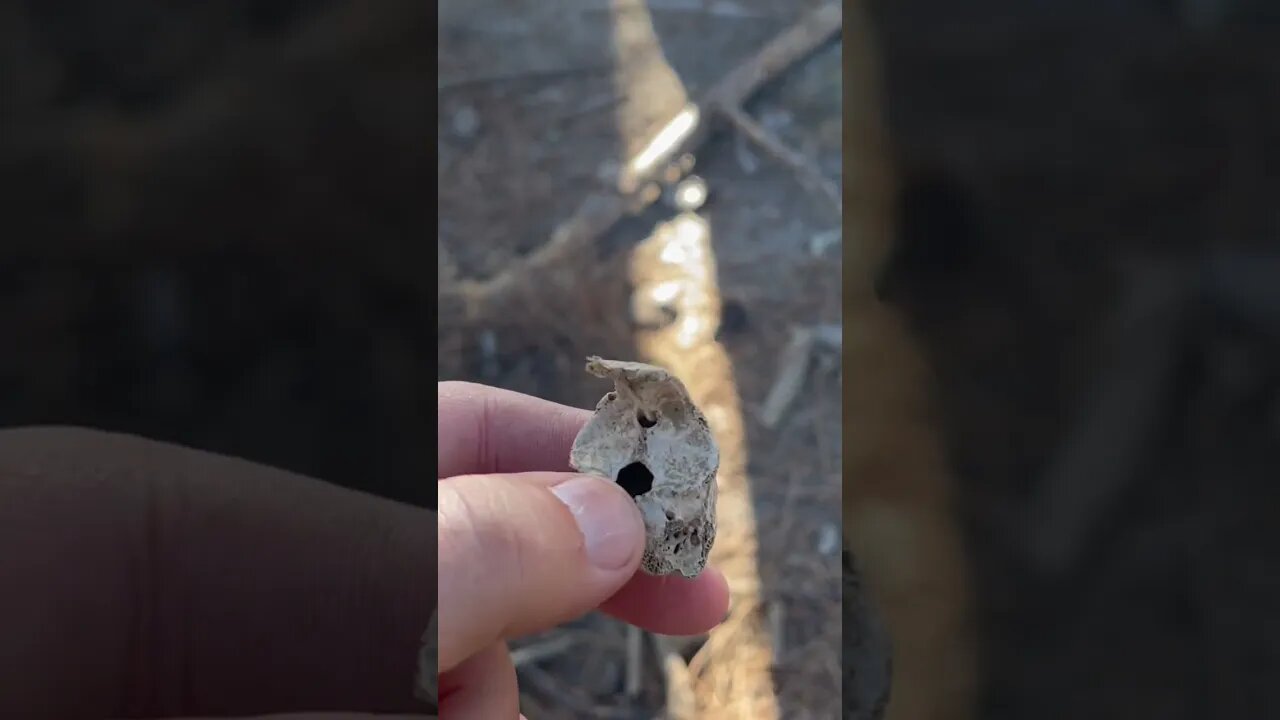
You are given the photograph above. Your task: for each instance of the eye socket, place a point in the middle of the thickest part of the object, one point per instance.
(635, 479)
(644, 420)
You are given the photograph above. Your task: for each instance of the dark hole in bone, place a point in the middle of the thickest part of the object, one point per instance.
(635, 479)
(644, 420)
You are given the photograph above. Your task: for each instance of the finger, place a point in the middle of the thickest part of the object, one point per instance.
(487, 430)
(482, 688)
(522, 553)
(672, 605)
(200, 584)
(668, 605)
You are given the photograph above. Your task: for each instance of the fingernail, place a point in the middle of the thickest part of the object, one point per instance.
(607, 518)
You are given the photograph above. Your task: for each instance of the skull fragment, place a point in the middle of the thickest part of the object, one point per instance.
(648, 437)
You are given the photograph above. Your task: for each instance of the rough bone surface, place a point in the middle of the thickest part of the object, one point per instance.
(649, 419)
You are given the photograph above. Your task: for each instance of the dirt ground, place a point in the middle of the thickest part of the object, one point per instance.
(536, 104)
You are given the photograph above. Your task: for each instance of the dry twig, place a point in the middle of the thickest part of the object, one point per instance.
(635, 661)
(793, 368)
(805, 171)
(555, 645)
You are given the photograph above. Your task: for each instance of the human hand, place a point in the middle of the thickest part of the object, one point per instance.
(139, 579)
(526, 545)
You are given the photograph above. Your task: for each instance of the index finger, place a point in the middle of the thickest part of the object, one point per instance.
(484, 430)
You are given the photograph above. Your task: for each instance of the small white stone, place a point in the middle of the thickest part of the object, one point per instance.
(691, 194)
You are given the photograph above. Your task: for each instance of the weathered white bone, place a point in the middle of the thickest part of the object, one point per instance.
(649, 427)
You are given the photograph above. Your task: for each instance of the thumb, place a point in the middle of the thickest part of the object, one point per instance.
(524, 552)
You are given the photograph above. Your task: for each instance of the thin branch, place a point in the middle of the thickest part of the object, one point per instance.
(793, 369)
(537, 652)
(635, 661)
(808, 174)
(788, 48)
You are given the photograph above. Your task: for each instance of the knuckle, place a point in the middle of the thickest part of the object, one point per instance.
(473, 536)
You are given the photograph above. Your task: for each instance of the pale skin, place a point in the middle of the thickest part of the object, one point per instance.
(139, 579)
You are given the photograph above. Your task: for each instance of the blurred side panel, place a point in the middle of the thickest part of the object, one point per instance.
(900, 525)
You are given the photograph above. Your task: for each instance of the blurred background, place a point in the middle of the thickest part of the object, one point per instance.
(576, 219)
(1086, 257)
(211, 229)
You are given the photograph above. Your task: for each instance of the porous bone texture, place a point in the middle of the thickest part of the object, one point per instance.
(650, 419)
